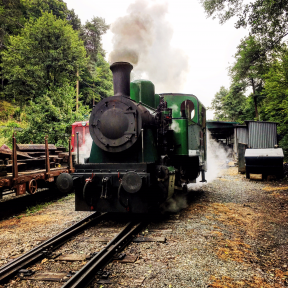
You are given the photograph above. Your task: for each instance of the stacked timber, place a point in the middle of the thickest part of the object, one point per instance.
(3, 168)
(32, 157)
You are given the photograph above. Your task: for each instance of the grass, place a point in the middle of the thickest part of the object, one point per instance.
(39, 207)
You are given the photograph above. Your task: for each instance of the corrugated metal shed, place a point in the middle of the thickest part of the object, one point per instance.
(240, 136)
(261, 134)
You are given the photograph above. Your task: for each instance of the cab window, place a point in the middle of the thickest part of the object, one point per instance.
(187, 109)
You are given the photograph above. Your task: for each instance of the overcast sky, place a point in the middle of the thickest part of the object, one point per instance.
(208, 46)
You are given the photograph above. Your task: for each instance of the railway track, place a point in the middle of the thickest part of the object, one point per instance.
(86, 274)
(116, 245)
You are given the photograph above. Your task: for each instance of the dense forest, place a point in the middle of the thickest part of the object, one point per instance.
(44, 51)
(259, 74)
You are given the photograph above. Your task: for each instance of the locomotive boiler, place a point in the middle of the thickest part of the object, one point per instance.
(146, 148)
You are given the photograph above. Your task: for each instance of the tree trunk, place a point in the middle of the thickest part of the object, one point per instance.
(255, 99)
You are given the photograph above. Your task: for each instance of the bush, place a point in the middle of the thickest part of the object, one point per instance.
(52, 115)
(6, 110)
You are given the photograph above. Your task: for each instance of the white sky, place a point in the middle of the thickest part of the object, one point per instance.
(209, 46)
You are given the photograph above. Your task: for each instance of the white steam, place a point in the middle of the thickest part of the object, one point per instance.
(217, 158)
(175, 126)
(175, 204)
(175, 108)
(85, 148)
(143, 38)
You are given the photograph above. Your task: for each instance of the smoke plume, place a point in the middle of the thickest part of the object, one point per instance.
(217, 158)
(143, 38)
(85, 149)
(175, 204)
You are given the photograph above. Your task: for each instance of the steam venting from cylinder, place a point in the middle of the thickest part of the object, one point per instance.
(121, 78)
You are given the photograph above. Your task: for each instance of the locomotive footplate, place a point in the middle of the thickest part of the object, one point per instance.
(118, 187)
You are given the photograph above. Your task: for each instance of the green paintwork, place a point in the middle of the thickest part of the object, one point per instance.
(157, 100)
(134, 91)
(95, 154)
(174, 102)
(180, 128)
(143, 91)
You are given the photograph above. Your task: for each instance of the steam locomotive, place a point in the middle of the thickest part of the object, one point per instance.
(146, 148)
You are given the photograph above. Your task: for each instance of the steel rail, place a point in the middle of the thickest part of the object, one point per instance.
(11, 268)
(87, 273)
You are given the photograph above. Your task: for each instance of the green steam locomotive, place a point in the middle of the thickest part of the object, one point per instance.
(146, 148)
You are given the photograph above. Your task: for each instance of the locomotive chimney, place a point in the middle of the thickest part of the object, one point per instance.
(121, 78)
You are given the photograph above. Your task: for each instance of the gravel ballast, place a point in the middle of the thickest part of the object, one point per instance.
(233, 233)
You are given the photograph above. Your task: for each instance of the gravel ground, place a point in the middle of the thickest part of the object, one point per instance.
(233, 233)
(21, 233)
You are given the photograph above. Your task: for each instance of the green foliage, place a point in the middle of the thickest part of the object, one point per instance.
(267, 19)
(231, 105)
(218, 104)
(7, 128)
(44, 56)
(250, 67)
(276, 102)
(98, 83)
(251, 62)
(52, 114)
(6, 110)
(91, 34)
(43, 45)
(35, 8)
(261, 62)
(11, 18)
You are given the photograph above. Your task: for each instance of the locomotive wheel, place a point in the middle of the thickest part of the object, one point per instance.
(32, 186)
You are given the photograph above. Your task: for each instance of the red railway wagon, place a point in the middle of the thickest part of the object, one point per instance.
(83, 129)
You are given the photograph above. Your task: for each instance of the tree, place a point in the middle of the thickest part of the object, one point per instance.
(231, 104)
(52, 115)
(218, 104)
(275, 105)
(45, 55)
(73, 19)
(250, 67)
(11, 19)
(35, 8)
(91, 34)
(266, 19)
(98, 83)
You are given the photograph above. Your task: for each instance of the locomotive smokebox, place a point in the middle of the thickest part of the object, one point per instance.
(121, 78)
